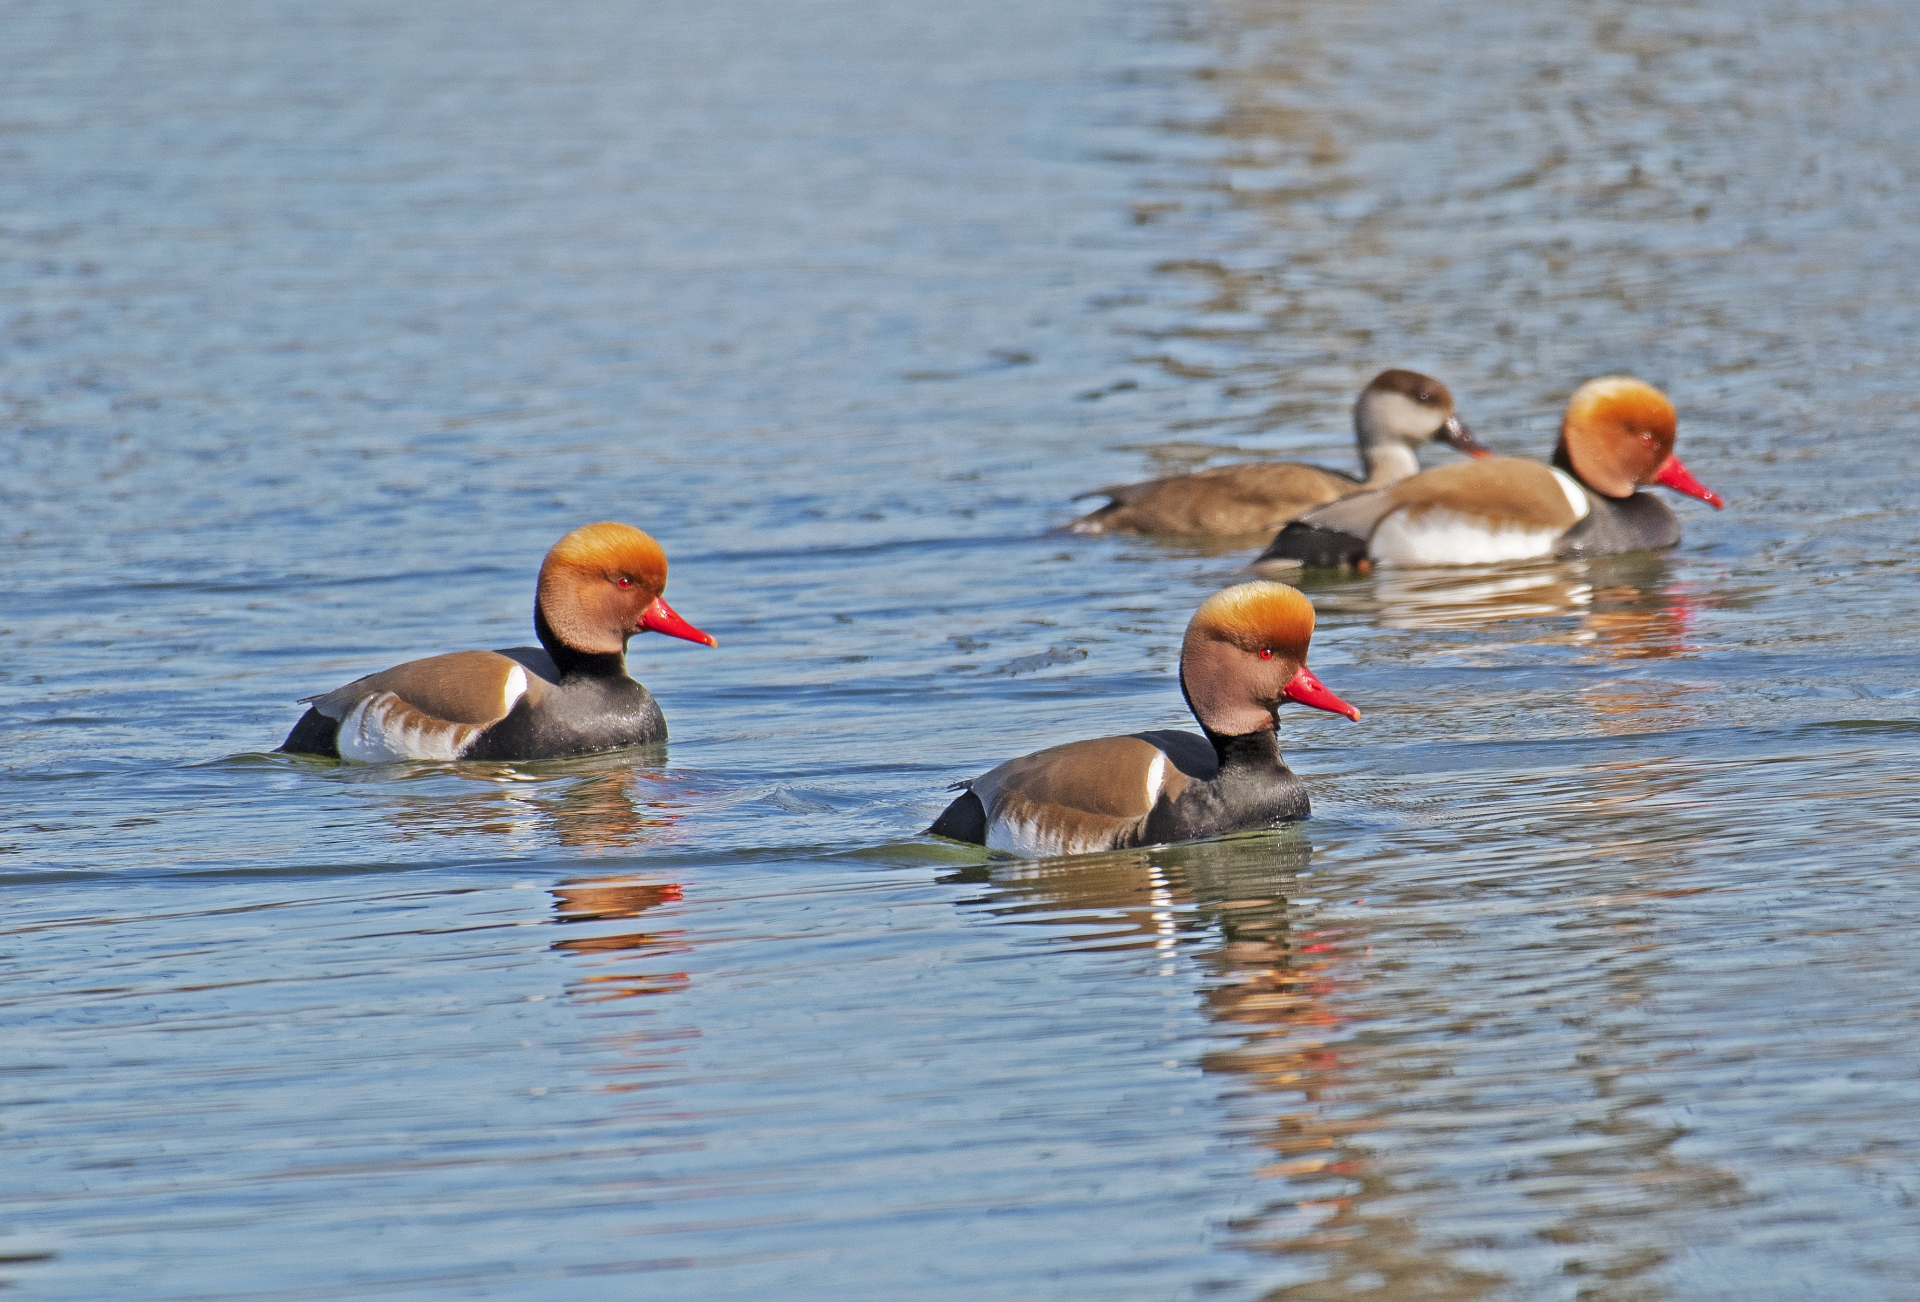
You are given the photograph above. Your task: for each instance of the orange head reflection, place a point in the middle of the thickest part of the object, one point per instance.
(609, 899)
(1626, 622)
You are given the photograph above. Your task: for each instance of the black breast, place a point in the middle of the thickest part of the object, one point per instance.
(1250, 789)
(576, 715)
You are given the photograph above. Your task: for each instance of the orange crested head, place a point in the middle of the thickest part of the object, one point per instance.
(1617, 434)
(601, 584)
(609, 552)
(1246, 653)
(1256, 617)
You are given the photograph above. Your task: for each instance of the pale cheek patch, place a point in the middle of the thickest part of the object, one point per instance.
(1438, 535)
(383, 727)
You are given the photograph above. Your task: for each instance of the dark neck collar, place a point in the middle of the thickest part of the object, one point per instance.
(1561, 461)
(1258, 748)
(573, 663)
(1250, 750)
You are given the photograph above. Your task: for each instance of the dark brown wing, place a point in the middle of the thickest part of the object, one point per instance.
(1086, 795)
(1503, 489)
(463, 687)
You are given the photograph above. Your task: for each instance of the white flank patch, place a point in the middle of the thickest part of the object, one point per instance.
(383, 727)
(1156, 777)
(515, 688)
(1029, 840)
(1576, 495)
(1439, 535)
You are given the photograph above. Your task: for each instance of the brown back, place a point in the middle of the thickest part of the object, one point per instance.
(1496, 488)
(1251, 497)
(1105, 778)
(460, 687)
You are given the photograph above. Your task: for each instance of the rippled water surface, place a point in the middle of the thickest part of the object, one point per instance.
(1594, 975)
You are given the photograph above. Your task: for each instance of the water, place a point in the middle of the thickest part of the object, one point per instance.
(1593, 976)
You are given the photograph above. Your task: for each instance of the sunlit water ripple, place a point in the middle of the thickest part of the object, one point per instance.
(1592, 977)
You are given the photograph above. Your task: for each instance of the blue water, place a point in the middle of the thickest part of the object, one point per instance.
(1593, 976)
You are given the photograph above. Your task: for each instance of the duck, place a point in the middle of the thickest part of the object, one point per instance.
(1243, 656)
(571, 695)
(1396, 414)
(1616, 438)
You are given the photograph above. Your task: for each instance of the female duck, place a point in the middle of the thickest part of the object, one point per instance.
(1397, 414)
(1245, 653)
(571, 695)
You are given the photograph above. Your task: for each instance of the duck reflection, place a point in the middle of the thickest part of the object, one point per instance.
(581, 806)
(1458, 599)
(616, 899)
(1360, 1086)
(1627, 607)
(1278, 991)
(611, 811)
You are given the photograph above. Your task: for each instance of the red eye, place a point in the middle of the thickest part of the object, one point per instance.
(623, 581)
(1266, 653)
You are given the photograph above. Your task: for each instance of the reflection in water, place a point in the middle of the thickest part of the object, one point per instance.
(598, 804)
(1271, 989)
(1368, 1126)
(613, 811)
(1466, 597)
(1615, 609)
(625, 965)
(1626, 607)
(589, 900)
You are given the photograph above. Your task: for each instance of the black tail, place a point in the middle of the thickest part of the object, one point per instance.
(315, 734)
(1317, 548)
(964, 820)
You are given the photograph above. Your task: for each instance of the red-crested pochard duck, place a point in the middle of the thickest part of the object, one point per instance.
(1395, 415)
(570, 695)
(1617, 438)
(1245, 653)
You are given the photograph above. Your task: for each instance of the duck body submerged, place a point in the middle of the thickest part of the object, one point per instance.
(1244, 654)
(512, 704)
(1249, 497)
(1152, 788)
(569, 696)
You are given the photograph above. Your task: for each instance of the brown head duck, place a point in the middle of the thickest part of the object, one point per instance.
(1245, 654)
(1616, 439)
(1396, 415)
(570, 695)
